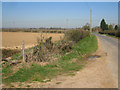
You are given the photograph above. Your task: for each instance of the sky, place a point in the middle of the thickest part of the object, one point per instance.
(57, 14)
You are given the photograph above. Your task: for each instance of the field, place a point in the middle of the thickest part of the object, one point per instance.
(14, 39)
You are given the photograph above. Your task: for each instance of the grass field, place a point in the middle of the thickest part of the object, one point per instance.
(68, 63)
(14, 39)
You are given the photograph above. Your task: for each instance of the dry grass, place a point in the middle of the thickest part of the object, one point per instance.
(14, 39)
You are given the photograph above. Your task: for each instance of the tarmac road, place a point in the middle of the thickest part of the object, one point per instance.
(110, 46)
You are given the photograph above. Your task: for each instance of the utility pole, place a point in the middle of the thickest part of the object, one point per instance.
(90, 20)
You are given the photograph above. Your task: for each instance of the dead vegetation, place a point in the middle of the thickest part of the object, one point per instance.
(46, 50)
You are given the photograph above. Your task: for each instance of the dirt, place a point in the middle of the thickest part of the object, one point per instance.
(14, 40)
(94, 75)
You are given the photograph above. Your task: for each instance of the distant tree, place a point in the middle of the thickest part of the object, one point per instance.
(86, 27)
(97, 28)
(116, 27)
(106, 27)
(103, 25)
(110, 27)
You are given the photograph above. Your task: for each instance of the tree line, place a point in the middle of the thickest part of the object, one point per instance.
(109, 29)
(105, 26)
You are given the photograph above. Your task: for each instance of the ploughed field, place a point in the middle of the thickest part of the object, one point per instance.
(14, 40)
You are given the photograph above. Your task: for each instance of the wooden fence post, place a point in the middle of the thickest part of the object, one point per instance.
(23, 51)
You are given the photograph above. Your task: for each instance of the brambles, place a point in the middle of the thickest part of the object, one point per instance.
(9, 52)
(46, 49)
(76, 35)
(49, 44)
(65, 45)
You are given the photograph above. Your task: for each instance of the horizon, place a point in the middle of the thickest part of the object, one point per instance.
(57, 14)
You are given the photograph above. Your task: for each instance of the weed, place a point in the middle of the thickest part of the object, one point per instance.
(58, 82)
(20, 85)
(11, 85)
(7, 71)
(28, 86)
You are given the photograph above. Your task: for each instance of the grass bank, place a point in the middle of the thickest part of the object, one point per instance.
(68, 63)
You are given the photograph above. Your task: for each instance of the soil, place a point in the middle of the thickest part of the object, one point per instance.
(13, 40)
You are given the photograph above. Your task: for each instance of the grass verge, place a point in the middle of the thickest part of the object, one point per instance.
(112, 36)
(68, 63)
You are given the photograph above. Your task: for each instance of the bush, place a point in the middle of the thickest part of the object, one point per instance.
(8, 52)
(111, 32)
(101, 32)
(48, 43)
(76, 35)
(118, 34)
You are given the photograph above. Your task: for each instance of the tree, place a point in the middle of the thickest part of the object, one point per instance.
(110, 27)
(106, 27)
(103, 25)
(86, 27)
(116, 27)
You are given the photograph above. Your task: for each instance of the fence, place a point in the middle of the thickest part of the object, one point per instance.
(18, 56)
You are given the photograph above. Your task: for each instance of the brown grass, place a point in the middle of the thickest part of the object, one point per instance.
(14, 39)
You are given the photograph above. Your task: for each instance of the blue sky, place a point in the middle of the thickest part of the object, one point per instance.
(56, 14)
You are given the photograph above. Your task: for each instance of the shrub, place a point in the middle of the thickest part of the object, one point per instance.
(76, 35)
(8, 52)
(111, 32)
(118, 34)
(48, 43)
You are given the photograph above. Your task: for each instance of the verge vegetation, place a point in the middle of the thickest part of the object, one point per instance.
(114, 33)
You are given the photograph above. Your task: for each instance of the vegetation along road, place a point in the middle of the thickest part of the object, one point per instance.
(99, 72)
(110, 46)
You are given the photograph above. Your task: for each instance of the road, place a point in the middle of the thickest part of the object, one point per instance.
(110, 46)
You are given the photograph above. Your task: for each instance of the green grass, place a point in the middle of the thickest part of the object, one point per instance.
(11, 86)
(40, 73)
(7, 71)
(28, 86)
(58, 82)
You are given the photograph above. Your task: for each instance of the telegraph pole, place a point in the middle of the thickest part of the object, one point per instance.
(90, 20)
